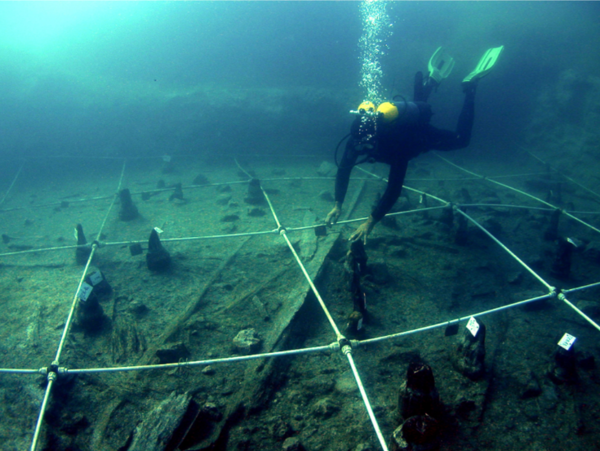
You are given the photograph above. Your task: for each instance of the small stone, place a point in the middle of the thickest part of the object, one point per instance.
(256, 212)
(138, 308)
(223, 199)
(208, 370)
(325, 408)
(515, 278)
(586, 360)
(590, 308)
(230, 218)
(211, 412)
(592, 251)
(292, 444)
(326, 169)
(326, 196)
(247, 341)
(173, 353)
(200, 179)
(532, 388)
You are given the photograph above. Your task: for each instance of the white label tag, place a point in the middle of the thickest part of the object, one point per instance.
(85, 291)
(158, 230)
(473, 326)
(96, 278)
(567, 341)
(75, 234)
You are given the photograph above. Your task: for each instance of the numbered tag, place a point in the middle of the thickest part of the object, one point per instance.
(96, 278)
(473, 326)
(85, 291)
(567, 341)
(158, 230)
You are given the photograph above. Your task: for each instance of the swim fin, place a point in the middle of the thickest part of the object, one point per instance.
(485, 64)
(440, 65)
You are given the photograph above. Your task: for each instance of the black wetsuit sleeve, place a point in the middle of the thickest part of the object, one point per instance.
(343, 173)
(393, 190)
(446, 140)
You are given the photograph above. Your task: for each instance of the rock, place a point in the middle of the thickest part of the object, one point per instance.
(230, 218)
(326, 169)
(174, 353)
(211, 412)
(326, 196)
(247, 341)
(200, 179)
(491, 225)
(515, 278)
(530, 385)
(158, 426)
(421, 432)
(586, 360)
(280, 429)
(223, 199)
(256, 212)
(208, 370)
(590, 308)
(292, 444)
(397, 443)
(592, 251)
(325, 408)
(346, 384)
(138, 308)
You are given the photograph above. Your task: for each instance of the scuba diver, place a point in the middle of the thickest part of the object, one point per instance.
(398, 131)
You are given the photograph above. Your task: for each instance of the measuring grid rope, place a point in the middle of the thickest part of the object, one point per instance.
(561, 296)
(344, 344)
(319, 349)
(52, 373)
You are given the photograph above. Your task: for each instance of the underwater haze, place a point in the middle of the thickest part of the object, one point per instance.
(190, 145)
(148, 78)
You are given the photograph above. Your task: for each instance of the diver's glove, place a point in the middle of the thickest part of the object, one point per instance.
(334, 214)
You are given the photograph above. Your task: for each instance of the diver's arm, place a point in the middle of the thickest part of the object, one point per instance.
(446, 140)
(342, 179)
(393, 190)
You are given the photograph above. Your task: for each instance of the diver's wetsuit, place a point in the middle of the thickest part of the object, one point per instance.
(397, 143)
